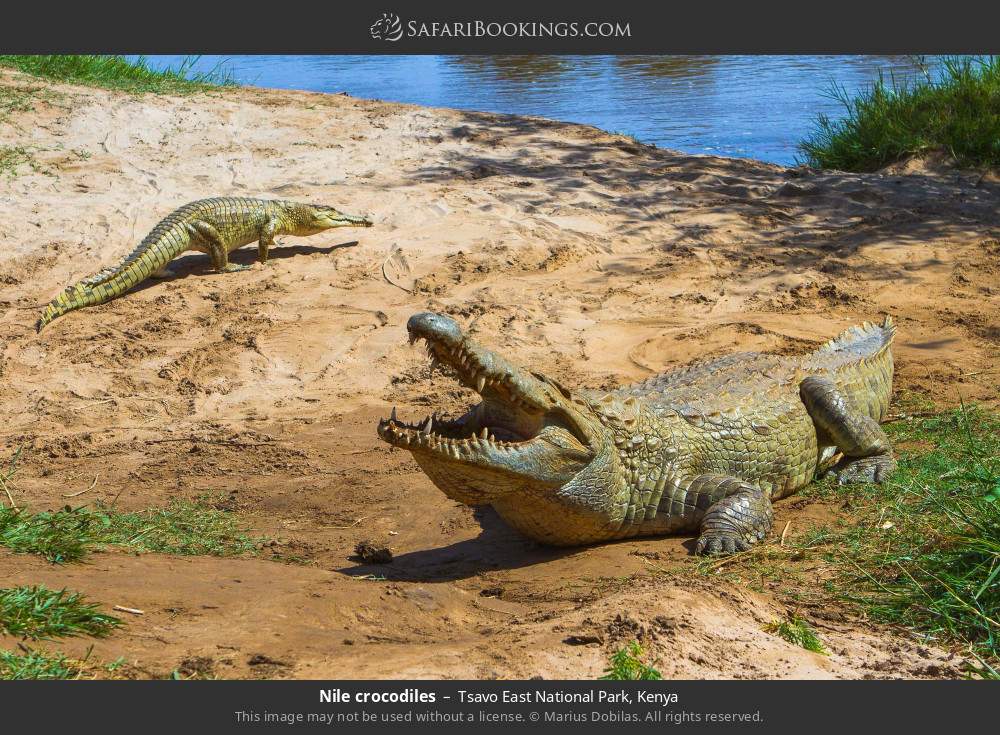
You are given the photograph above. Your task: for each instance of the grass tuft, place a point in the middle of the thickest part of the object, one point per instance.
(59, 537)
(958, 112)
(798, 632)
(36, 664)
(626, 664)
(37, 613)
(182, 527)
(117, 72)
(15, 99)
(12, 157)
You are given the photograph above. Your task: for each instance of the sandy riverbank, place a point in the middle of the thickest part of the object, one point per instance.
(581, 253)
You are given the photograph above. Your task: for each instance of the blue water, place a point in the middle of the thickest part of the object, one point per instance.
(744, 106)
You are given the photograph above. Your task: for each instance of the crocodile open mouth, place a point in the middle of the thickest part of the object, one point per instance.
(515, 412)
(503, 419)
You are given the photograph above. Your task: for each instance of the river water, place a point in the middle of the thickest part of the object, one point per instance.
(745, 106)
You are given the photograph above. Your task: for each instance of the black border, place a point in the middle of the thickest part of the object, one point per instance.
(339, 27)
(335, 27)
(794, 707)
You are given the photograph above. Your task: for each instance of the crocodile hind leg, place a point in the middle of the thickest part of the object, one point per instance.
(740, 517)
(212, 240)
(867, 453)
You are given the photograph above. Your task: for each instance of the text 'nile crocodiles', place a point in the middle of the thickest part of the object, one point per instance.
(704, 448)
(213, 226)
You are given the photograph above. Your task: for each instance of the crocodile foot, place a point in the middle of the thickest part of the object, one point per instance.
(234, 267)
(714, 543)
(856, 470)
(735, 522)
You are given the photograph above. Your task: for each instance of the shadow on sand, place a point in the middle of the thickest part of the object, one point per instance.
(498, 546)
(197, 264)
(804, 217)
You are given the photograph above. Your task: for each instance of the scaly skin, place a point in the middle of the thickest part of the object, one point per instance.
(704, 448)
(213, 226)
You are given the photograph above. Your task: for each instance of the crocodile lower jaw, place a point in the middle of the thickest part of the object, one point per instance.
(456, 439)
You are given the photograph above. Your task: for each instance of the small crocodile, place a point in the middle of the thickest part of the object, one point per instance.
(704, 448)
(214, 226)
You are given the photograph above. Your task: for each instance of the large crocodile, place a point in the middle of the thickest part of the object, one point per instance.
(213, 226)
(703, 448)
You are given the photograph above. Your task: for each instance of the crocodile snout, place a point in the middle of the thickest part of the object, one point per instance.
(359, 220)
(434, 327)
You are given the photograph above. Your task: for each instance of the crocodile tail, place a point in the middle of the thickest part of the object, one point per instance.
(74, 297)
(861, 343)
(105, 285)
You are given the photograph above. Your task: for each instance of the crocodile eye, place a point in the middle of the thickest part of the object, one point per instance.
(562, 389)
(554, 383)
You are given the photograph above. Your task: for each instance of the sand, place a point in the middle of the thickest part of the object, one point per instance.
(583, 254)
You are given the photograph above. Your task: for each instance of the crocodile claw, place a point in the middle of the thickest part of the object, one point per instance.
(719, 544)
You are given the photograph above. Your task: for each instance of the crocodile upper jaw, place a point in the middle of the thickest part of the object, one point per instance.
(517, 428)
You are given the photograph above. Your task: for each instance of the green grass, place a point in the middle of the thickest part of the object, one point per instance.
(798, 632)
(984, 671)
(15, 99)
(59, 537)
(921, 551)
(13, 157)
(117, 72)
(630, 137)
(958, 112)
(926, 551)
(37, 613)
(182, 527)
(627, 664)
(37, 664)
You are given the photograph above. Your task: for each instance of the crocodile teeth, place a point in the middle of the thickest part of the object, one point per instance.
(392, 416)
(428, 425)
(485, 433)
(480, 383)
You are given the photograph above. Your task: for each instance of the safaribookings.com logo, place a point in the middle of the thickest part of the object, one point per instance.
(387, 28)
(390, 28)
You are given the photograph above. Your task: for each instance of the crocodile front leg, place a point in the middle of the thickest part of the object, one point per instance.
(266, 241)
(867, 453)
(742, 517)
